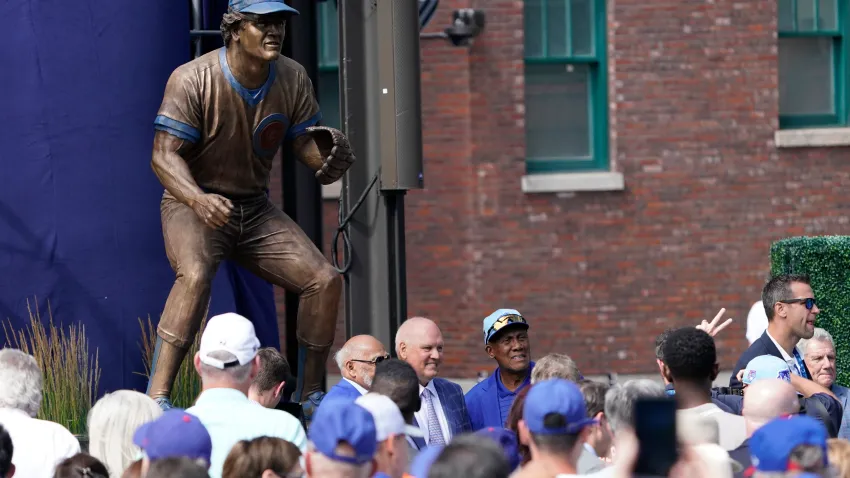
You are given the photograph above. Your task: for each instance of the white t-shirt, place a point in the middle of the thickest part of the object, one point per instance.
(39, 445)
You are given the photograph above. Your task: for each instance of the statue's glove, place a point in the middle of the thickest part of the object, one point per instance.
(335, 150)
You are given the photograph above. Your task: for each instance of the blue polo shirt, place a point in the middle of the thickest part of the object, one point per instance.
(489, 402)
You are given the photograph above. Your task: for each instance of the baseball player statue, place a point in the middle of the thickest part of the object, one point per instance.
(223, 118)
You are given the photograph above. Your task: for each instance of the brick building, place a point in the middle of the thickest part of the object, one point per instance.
(614, 168)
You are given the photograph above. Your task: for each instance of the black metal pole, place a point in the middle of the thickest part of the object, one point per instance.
(302, 194)
(397, 262)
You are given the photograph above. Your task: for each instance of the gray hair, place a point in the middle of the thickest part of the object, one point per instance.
(324, 466)
(821, 335)
(238, 374)
(620, 401)
(555, 366)
(112, 421)
(21, 381)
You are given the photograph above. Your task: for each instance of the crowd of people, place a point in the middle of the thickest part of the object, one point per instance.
(782, 414)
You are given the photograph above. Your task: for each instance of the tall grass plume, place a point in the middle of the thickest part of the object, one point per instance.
(71, 375)
(187, 385)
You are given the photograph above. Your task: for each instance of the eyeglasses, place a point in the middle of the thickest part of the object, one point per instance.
(507, 320)
(809, 302)
(374, 361)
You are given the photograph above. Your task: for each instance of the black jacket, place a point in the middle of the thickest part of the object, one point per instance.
(762, 346)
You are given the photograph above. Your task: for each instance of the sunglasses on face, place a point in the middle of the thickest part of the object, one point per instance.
(808, 302)
(374, 361)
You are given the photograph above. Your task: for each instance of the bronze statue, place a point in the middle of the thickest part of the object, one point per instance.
(223, 118)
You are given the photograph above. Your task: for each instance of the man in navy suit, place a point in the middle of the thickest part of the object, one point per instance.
(789, 303)
(819, 355)
(443, 413)
(356, 361)
(506, 341)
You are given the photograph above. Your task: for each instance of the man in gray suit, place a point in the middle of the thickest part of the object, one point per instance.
(819, 355)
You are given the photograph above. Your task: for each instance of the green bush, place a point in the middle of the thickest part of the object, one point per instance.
(826, 260)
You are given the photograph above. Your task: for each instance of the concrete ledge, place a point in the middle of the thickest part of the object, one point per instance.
(571, 182)
(332, 191)
(812, 137)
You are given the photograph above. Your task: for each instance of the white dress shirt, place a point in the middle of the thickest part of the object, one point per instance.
(356, 385)
(39, 445)
(422, 414)
(788, 358)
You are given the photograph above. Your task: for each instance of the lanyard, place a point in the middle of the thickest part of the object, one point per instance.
(801, 366)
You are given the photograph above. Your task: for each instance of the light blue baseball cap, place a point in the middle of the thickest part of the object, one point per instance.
(261, 7)
(501, 319)
(766, 366)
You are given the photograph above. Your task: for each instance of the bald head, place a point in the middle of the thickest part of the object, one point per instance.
(419, 342)
(356, 359)
(768, 399)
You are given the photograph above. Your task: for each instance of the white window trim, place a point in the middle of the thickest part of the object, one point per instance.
(812, 137)
(573, 182)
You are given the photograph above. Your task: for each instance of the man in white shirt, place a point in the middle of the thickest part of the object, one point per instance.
(227, 362)
(39, 445)
(391, 457)
(690, 364)
(443, 413)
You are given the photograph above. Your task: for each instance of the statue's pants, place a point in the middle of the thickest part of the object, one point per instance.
(264, 240)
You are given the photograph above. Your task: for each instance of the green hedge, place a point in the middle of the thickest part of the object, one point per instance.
(826, 259)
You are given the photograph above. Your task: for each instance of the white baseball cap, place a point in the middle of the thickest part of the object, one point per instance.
(387, 416)
(229, 333)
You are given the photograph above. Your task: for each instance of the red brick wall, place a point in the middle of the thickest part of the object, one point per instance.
(693, 114)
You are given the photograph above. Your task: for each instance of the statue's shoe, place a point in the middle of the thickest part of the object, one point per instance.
(309, 406)
(164, 403)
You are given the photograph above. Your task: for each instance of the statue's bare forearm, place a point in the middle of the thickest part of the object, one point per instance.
(307, 152)
(172, 170)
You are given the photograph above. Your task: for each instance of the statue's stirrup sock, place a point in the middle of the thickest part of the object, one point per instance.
(164, 403)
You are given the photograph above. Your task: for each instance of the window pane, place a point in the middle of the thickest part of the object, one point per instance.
(556, 28)
(328, 91)
(328, 34)
(827, 15)
(786, 15)
(806, 15)
(533, 28)
(581, 24)
(557, 114)
(806, 76)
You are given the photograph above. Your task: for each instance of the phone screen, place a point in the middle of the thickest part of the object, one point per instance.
(655, 427)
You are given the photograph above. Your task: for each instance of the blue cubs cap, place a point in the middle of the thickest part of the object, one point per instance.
(260, 7)
(766, 366)
(507, 440)
(772, 444)
(555, 396)
(423, 460)
(174, 434)
(342, 421)
(499, 320)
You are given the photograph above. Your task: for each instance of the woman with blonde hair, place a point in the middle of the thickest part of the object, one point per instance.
(838, 451)
(263, 457)
(111, 424)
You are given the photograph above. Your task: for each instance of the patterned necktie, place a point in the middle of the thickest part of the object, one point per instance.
(435, 433)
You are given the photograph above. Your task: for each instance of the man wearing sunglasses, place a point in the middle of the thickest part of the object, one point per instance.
(506, 341)
(789, 303)
(356, 361)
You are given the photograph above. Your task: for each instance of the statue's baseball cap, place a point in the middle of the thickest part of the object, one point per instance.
(501, 319)
(766, 366)
(261, 7)
(174, 434)
(559, 397)
(772, 444)
(341, 421)
(232, 334)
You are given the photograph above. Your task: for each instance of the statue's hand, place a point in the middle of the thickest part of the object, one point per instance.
(336, 152)
(213, 209)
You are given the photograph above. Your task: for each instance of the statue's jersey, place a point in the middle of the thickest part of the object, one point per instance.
(235, 132)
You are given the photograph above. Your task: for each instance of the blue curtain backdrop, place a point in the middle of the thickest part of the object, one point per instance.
(80, 84)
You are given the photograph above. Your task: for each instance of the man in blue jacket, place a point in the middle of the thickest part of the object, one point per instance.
(356, 361)
(506, 341)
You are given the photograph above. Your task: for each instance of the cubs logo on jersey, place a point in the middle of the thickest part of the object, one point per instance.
(269, 134)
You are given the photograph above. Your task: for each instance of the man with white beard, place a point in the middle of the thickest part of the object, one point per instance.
(356, 361)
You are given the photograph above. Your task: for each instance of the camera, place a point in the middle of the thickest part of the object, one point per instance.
(467, 23)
